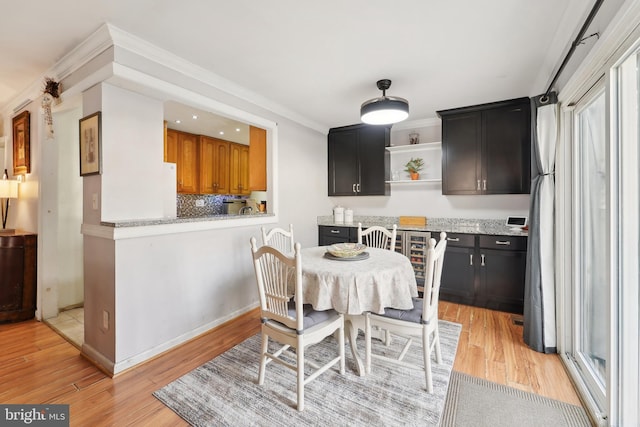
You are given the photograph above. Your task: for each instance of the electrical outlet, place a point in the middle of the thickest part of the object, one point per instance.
(105, 320)
(200, 203)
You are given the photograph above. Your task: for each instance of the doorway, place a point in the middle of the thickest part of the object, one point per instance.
(61, 250)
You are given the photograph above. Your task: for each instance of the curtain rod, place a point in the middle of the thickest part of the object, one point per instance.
(576, 42)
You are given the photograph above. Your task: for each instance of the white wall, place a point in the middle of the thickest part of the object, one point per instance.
(167, 287)
(158, 291)
(133, 156)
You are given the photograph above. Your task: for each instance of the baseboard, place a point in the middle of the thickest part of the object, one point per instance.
(124, 365)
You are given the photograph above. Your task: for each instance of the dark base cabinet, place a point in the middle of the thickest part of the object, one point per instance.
(17, 276)
(329, 235)
(485, 271)
(458, 271)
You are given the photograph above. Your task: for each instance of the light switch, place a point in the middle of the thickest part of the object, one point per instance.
(94, 201)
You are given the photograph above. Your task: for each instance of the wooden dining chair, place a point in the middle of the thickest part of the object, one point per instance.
(378, 237)
(419, 323)
(287, 320)
(279, 238)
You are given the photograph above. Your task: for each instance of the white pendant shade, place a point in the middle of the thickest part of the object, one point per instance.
(385, 109)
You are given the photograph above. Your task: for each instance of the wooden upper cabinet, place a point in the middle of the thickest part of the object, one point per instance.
(239, 174)
(170, 145)
(214, 166)
(187, 164)
(257, 159)
(207, 165)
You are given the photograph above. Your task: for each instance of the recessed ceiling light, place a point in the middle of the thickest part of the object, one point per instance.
(237, 129)
(178, 121)
(194, 117)
(221, 133)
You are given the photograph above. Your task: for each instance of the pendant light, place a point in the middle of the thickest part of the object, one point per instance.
(385, 109)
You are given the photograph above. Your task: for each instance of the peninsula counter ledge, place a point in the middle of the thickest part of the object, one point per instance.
(133, 228)
(493, 227)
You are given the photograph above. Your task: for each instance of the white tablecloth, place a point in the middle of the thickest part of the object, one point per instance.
(385, 279)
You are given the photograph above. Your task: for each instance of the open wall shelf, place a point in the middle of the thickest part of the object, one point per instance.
(430, 152)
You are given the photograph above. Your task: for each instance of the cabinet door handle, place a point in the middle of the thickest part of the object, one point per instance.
(335, 231)
(470, 259)
(358, 187)
(484, 184)
(478, 185)
(354, 188)
(482, 260)
(453, 239)
(503, 242)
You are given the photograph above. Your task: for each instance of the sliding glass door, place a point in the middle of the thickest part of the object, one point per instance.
(591, 263)
(598, 226)
(603, 302)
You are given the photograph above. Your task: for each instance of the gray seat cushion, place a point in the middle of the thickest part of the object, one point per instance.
(413, 315)
(312, 317)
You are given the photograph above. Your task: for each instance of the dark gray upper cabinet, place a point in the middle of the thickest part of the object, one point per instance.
(486, 149)
(358, 161)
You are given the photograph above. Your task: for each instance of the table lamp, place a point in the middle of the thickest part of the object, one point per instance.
(8, 190)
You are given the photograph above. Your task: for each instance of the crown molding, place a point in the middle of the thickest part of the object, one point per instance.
(108, 35)
(95, 44)
(180, 65)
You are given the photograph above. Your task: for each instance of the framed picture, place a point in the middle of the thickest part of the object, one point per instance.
(90, 145)
(21, 144)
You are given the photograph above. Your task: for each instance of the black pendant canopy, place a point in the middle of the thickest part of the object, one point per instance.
(385, 109)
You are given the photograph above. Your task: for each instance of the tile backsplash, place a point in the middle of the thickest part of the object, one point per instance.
(212, 204)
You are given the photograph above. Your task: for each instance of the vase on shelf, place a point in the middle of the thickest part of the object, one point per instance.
(414, 176)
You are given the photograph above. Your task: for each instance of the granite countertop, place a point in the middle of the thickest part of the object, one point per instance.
(178, 220)
(494, 227)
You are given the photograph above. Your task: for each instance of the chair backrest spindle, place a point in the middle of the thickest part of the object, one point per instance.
(378, 237)
(279, 238)
(274, 273)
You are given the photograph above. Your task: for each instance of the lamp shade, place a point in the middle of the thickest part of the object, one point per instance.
(385, 109)
(8, 189)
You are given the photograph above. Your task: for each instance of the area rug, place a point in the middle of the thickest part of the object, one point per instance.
(224, 391)
(474, 402)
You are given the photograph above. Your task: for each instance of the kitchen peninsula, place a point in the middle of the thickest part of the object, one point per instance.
(484, 264)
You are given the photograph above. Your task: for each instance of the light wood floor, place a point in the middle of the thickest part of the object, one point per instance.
(38, 366)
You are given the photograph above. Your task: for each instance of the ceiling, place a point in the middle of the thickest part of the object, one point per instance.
(189, 119)
(319, 59)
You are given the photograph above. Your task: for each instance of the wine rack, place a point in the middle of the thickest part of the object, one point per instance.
(414, 244)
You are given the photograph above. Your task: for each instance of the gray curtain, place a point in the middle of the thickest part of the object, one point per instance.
(539, 297)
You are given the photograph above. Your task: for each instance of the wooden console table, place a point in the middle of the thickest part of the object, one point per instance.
(18, 261)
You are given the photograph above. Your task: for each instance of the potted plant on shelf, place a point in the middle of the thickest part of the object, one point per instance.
(413, 167)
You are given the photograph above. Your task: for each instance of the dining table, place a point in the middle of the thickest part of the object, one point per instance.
(370, 282)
